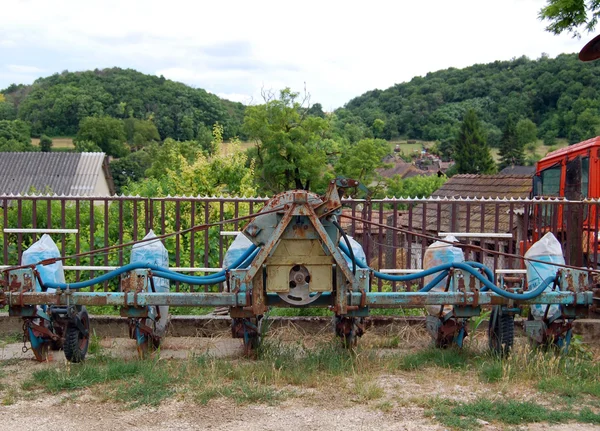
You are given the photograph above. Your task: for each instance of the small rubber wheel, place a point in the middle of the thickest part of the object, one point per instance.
(76, 341)
(501, 331)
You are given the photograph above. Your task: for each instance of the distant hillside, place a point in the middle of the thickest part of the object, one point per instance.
(561, 96)
(55, 105)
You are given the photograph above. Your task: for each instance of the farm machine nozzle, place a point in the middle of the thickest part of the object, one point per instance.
(294, 253)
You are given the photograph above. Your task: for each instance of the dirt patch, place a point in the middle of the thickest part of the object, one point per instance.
(393, 400)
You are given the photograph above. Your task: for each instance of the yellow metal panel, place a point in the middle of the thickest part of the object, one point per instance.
(278, 278)
(320, 278)
(308, 253)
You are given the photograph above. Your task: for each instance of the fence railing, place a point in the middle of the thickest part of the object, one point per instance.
(395, 235)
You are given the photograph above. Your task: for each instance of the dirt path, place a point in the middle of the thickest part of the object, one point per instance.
(311, 409)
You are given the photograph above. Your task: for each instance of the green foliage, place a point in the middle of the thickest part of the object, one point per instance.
(168, 156)
(45, 144)
(56, 105)
(471, 153)
(140, 133)
(359, 161)
(571, 15)
(451, 358)
(204, 137)
(552, 93)
(15, 136)
(83, 146)
(511, 147)
(106, 132)
(526, 131)
(288, 144)
(7, 110)
(420, 187)
(130, 168)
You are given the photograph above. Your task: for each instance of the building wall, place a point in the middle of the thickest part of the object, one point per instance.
(101, 188)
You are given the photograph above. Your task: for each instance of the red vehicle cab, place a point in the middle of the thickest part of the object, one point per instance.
(572, 173)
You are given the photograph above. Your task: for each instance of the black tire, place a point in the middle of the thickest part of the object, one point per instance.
(77, 342)
(501, 331)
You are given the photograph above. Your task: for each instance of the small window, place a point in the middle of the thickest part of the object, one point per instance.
(585, 176)
(551, 181)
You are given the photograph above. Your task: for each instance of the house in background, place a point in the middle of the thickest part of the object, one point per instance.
(434, 219)
(76, 174)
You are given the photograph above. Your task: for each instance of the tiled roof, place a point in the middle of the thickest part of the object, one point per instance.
(59, 173)
(486, 186)
(474, 217)
(402, 168)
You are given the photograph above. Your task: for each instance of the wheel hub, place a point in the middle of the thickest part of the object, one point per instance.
(299, 293)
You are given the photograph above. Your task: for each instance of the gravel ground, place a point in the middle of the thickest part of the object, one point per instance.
(309, 411)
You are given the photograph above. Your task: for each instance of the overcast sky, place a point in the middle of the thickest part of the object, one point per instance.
(340, 49)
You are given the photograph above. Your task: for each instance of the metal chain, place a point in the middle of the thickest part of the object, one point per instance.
(24, 349)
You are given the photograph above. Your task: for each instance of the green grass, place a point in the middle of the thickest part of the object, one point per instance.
(468, 415)
(449, 358)
(14, 337)
(569, 385)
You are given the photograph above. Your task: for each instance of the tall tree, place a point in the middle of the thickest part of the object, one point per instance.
(288, 143)
(511, 150)
(471, 152)
(361, 160)
(45, 144)
(106, 132)
(15, 136)
(140, 133)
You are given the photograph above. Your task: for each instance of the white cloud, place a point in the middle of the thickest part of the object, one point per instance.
(19, 68)
(339, 48)
(237, 97)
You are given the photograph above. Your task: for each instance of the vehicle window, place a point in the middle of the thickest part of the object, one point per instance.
(551, 181)
(585, 176)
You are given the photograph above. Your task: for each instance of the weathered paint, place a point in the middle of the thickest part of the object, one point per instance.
(240, 299)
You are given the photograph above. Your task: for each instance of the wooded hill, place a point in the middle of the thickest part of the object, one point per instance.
(561, 96)
(55, 105)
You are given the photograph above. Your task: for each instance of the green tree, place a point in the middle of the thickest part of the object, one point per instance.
(106, 132)
(571, 15)
(378, 126)
(204, 137)
(511, 150)
(130, 168)
(45, 144)
(288, 143)
(82, 146)
(15, 136)
(169, 155)
(360, 161)
(420, 187)
(7, 109)
(140, 133)
(526, 131)
(471, 153)
(316, 110)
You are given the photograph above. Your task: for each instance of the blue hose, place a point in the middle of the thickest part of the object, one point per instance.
(467, 267)
(198, 280)
(188, 279)
(434, 282)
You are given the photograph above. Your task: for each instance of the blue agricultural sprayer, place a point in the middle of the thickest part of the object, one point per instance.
(296, 254)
